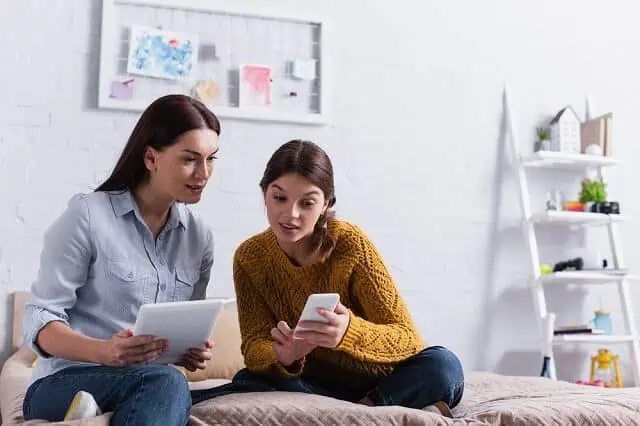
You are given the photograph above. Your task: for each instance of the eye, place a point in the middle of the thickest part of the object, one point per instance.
(279, 198)
(307, 204)
(188, 160)
(213, 157)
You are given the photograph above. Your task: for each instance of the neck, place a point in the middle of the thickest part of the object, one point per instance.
(153, 207)
(298, 251)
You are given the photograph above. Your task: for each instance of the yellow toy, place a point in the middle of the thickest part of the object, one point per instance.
(545, 269)
(601, 369)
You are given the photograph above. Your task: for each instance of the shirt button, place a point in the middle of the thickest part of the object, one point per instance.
(130, 275)
(161, 262)
(163, 287)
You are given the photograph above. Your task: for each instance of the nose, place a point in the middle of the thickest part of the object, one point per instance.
(203, 170)
(293, 210)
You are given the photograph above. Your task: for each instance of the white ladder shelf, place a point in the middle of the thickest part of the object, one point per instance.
(577, 163)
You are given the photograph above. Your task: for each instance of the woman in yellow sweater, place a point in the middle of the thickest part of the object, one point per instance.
(370, 351)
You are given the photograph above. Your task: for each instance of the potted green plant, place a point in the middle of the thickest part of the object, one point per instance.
(592, 191)
(544, 139)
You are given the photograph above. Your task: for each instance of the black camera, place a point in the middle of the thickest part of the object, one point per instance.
(606, 207)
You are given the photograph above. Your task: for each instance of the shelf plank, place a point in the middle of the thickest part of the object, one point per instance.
(585, 277)
(592, 338)
(566, 161)
(562, 217)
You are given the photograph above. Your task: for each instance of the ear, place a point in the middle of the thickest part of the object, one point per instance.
(150, 158)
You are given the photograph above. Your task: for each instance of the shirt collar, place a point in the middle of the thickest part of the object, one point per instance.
(124, 203)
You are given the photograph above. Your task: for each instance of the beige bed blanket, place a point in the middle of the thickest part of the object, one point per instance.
(489, 399)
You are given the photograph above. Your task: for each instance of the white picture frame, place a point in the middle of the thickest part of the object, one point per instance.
(108, 51)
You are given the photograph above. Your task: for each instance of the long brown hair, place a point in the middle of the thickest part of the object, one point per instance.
(160, 125)
(308, 160)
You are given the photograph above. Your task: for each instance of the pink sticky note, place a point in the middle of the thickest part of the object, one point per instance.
(122, 90)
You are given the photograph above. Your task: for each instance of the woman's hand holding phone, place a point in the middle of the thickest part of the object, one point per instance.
(325, 335)
(288, 350)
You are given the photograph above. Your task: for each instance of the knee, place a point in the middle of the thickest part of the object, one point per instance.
(164, 378)
(244, 375)
(441, 369)
(250, 380)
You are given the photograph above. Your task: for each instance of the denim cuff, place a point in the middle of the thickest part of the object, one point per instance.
(378, 398)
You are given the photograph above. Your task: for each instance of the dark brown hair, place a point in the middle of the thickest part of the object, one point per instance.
(159, 126)
(308, 160)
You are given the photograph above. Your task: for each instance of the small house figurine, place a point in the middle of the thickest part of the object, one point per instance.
(565, 131)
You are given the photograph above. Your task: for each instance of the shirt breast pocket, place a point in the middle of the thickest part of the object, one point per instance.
(126, 272)
(128, 279)
(186, 278)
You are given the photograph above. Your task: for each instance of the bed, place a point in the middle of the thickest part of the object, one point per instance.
(489, 399)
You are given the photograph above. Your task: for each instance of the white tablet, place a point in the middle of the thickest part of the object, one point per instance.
(185, 325)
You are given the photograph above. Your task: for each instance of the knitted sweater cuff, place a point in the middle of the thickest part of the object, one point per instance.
(353, 335)
(290, 371)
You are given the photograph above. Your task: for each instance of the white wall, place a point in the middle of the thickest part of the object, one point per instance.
(416, 143)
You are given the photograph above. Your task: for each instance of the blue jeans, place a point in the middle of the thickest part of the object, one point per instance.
(435, 374)
(145, 395)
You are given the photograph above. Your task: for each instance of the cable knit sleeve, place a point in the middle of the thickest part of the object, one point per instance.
(256, 322)
(385, 331)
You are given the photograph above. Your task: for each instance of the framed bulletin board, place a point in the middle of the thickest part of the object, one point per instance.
(243, 63)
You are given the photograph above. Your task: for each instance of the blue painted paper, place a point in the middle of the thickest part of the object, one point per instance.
(163, 54)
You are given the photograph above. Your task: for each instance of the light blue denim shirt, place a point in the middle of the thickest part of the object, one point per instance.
(100, 262)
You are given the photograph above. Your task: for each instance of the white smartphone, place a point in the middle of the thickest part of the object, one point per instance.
(327, 301)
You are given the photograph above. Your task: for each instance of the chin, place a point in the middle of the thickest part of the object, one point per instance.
(189, 199)
(288, 237)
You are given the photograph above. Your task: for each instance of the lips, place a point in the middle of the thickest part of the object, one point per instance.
(289, 227)
(195, 188)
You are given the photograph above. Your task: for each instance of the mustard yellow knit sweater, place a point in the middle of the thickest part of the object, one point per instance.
(270, 288)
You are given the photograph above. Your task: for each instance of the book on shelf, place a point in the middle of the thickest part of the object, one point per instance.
(577, 329)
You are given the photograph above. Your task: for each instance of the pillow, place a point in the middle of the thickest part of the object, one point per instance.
(226, 358)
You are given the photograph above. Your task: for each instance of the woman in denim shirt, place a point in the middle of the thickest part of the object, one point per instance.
(132, 241)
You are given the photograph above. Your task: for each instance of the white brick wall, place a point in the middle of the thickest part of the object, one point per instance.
(415, 143)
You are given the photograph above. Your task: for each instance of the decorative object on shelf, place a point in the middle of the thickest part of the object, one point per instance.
(593, 149)
(592, 191)
(546, 269)
(593, 260)
(602, 321)
(577, 329)
(588, 107)
(565, 131)
(606, 367)
(554, 201)
(573, 206)
(606, 207)
(544, 139)
(572, 264)
(548, 368)
(596, 134)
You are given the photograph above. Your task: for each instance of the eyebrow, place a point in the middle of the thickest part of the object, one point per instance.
(313, 192)
(197, 153)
